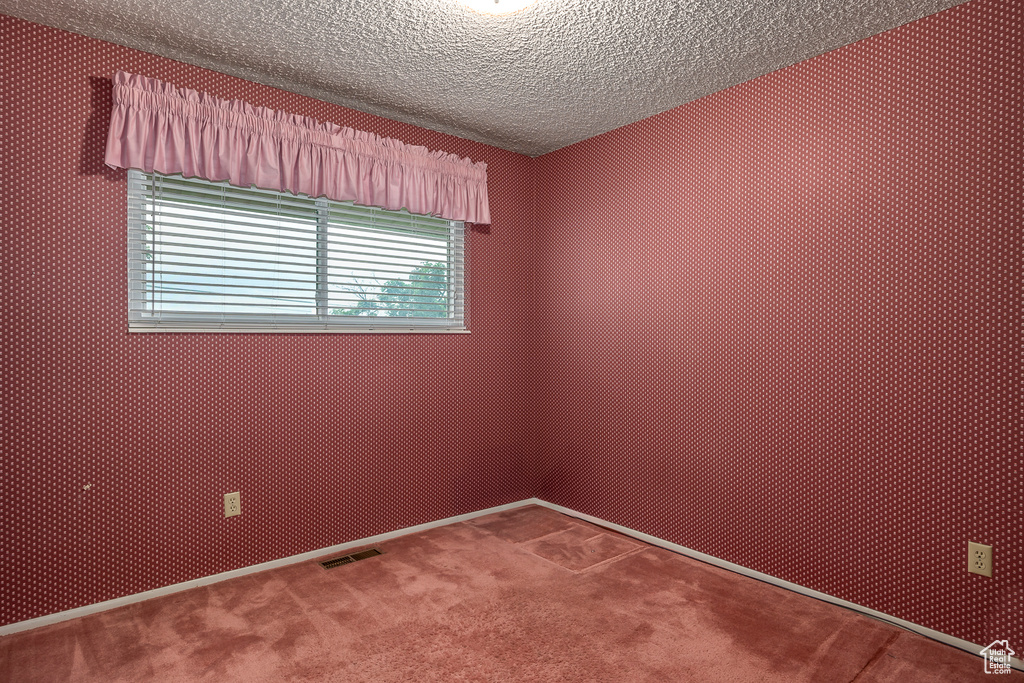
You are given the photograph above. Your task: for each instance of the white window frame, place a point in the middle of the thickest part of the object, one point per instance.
(148, 312)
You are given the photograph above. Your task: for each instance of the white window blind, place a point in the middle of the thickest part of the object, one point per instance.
(210, 256)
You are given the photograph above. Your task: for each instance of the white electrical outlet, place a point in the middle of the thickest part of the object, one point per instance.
(232, 504)
(979, 559)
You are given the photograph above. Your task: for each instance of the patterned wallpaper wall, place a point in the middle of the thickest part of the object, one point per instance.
(118, 448)
(784, 322)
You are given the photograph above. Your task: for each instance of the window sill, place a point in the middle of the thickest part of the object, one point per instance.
(143, 329)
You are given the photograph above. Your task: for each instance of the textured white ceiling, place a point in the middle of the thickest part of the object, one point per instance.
(552, 74)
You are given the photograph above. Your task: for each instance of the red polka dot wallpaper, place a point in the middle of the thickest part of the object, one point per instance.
(783, 323)
(779, 325)
(118, 448)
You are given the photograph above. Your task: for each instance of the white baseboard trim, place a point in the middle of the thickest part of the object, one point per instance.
(958, 643)
(77, 612)
(58, 617)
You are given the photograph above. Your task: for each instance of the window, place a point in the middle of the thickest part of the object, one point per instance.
(208, 256)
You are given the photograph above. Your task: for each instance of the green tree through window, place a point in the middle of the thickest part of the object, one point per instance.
(423, 294)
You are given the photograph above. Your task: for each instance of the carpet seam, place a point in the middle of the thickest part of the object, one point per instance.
(616, 558)
(878, 655)
(610, 560)
(552, 533)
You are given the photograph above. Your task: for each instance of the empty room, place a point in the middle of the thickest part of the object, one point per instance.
(512, 340)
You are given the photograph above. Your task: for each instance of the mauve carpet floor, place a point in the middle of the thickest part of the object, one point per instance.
(523, 595)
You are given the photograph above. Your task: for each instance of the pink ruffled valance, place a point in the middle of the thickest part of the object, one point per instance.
(158, 127)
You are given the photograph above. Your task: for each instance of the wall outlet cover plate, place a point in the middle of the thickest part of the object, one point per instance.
(979, 559)
(232, 504)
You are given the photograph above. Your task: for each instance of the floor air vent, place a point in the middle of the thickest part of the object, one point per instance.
(349, 559)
